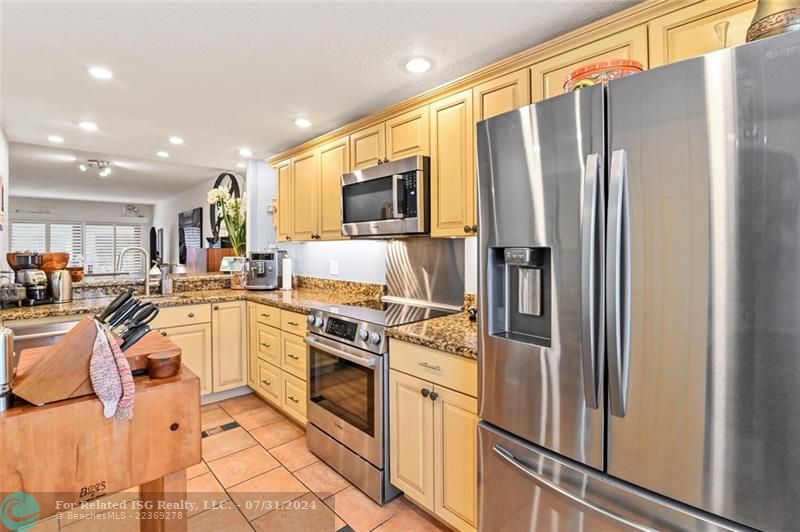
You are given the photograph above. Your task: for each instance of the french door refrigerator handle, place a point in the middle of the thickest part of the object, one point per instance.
(618, 290)
(509, 457)
(589, 233)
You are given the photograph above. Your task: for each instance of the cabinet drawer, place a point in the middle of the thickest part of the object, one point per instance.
(269, 381)
(294, 355)
(452, 371)
(183, 315)
(268, 344)
(268, 316)
(293, 322)
(294, 397)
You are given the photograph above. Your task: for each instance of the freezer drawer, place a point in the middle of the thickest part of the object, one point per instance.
(526, 488)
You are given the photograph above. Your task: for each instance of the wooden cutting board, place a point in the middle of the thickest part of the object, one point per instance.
(61, 371)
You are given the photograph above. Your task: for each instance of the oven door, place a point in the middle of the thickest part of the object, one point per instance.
(346, 396)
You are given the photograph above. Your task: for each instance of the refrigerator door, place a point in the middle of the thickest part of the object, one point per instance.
(540, 197)
(704, 282)
(526, 488)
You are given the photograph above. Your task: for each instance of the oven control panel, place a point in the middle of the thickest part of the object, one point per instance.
(341, 328)
(359, 334)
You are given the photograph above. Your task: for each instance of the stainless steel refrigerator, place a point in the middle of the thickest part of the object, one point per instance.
(639, 292)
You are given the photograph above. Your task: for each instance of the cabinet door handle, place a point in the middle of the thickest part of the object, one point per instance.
(425, 392)
(264, 345)
(291, 397)
(430, 366)
(434, 396)
(292, 323)
(293, 356)
(265, 315)
(268, 383)
(191, 314)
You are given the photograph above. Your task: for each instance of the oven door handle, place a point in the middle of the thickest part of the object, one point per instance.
(355, 359)
(396, 178)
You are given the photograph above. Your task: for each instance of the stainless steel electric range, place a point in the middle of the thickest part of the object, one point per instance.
(348, 369)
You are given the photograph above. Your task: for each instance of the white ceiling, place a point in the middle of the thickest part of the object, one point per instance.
(225, 75)
(47, 172)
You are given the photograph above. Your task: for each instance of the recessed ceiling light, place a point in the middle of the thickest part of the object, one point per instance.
(418, 65)
(100, 72)
(105, 172)
(302, 122)
(88, 126)
(245, 152)
(56, 139)
(82, 167)
(241, 165)
(162, 154)
(176, 140)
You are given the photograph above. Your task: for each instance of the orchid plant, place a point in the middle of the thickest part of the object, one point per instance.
(233, 214)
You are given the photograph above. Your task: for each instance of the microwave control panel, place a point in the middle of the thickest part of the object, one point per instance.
(410, 185)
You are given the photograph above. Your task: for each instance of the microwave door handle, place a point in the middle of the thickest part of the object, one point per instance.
(396, 178)
(361, 361)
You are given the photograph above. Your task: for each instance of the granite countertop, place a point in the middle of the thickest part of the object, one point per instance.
(454, 334)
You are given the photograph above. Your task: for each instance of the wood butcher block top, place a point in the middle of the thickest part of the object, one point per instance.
(67, 451)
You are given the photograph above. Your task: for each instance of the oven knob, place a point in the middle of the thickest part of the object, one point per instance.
(310, 319)
(363, 334)
(375, 338)
(318, 322)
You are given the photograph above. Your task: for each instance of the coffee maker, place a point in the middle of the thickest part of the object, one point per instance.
(265, 269)
(28, 274)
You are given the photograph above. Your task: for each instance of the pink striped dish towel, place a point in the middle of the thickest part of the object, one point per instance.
(111, 376)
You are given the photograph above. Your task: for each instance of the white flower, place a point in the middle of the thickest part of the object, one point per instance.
(219, 195)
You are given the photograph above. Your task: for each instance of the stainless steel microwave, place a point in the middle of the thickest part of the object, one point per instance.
(388, 199)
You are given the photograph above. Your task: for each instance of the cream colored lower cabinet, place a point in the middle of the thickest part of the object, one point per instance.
(433, 432)
(195, 343)
(294, 397)
(229, 334)
(252, 360)
(269, 383)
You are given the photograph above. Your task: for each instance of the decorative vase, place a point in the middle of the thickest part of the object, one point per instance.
(773, 17)
(600, 72)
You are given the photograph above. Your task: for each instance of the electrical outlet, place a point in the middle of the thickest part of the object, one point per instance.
(334, 267)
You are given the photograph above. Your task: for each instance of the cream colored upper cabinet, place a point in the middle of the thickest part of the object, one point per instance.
(195, 343)
(698, 29)
(408, 134)
(229, 333)
(411, 437)
(500, 95)
(548, 76)
(305, 196)
(455, 434)
(284, 171)
(368, 147)
(453, 166)
(334, 160)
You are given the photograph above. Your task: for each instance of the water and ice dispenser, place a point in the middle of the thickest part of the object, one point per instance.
(520, 305)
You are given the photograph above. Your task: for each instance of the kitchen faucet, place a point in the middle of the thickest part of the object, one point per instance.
(146, 256)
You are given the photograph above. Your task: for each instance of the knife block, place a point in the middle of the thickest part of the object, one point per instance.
(61, 371)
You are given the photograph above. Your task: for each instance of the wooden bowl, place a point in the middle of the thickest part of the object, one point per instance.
(31, 260)
(77, 273)
(601, 72)
(54, 261)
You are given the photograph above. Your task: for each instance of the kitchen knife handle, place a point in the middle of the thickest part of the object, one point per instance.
(591, 279)
(618, 283)
(123, 313)
(114, 305)
(135, 336)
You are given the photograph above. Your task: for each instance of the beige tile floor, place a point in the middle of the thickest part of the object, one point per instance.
(254, 458)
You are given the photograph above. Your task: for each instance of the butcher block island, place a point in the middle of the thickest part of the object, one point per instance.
(57, 456)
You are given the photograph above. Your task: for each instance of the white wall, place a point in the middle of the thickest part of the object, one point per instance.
(165, 214)
(4, 185)
(356, 260)
(54, 209)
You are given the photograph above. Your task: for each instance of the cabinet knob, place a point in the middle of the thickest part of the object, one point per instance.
(216, 307)
(434, 396)
(467, 228)
(424, 392)
(163, 333)
(474, 228)
(287, 237)
(386, 160)
(191, 314)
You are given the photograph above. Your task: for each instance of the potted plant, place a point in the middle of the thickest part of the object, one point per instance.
(235, 219)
